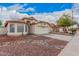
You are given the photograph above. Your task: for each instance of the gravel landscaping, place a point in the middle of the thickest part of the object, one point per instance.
(30, 45)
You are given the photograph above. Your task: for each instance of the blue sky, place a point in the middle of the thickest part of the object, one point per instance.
(51, 7)
(41, 7)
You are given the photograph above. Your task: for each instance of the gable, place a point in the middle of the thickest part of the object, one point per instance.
(30, 19)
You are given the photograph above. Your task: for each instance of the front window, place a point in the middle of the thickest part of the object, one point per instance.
(12, 28)
(20, 28)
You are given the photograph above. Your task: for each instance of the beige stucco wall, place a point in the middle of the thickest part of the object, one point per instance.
(15, 33)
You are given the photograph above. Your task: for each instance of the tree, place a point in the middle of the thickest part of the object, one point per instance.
(0, 22)
(65, 21)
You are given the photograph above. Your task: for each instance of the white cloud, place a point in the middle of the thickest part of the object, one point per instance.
(51, 17)
(30, 9)
(19, 8)
(6, 14)
(12, 12)
(75, 8)
(16, 6)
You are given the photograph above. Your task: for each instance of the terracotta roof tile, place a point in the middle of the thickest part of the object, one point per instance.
(14, 21)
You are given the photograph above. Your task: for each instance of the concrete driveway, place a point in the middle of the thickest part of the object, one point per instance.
(59, 37)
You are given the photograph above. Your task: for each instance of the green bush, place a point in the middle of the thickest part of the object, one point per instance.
(73, 30)
(0, 22)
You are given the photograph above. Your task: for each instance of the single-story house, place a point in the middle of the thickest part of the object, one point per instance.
(27, 26)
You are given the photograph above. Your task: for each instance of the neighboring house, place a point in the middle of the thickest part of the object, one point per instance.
(41, 28)
(74, 26)
(55, 28)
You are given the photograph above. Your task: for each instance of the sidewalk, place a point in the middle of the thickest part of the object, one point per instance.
(72, 48)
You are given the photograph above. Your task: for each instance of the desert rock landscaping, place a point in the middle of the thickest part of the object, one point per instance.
(30, 45)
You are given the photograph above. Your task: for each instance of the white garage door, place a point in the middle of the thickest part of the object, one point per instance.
(40, 30)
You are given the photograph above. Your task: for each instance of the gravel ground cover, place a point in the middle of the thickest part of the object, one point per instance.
(30, 45)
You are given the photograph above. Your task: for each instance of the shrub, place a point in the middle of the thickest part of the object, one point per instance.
(73, 30)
